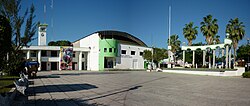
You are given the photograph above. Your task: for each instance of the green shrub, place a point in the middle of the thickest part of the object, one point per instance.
(246, 75)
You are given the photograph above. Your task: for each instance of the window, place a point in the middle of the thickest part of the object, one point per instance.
(123, 51)
(33, 54)
(110, 49)
(44, 53)
(82, 55)
(74, 54)
(114, 50)
(105, 49)
(141, 53)
(132, 52)
(53, 53)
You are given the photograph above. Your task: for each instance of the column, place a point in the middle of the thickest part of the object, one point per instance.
(213, 58)
(60, 57)
(194, 58)
(80, 61)
(183, 58)
(204, 57)
(222, 63)
(39, 59)
(28, 54)
(229, 61)
(227, 56)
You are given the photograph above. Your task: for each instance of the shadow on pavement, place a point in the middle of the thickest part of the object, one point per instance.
(62, 102)
(91, 73)
(48, 76)
(59, 88)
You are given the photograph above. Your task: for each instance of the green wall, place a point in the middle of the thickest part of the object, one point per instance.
(107, 43)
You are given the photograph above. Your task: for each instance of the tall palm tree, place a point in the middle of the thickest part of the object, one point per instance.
(209, 28)
(217, 39)
(174, 43)
(236, 32)
(190, 32)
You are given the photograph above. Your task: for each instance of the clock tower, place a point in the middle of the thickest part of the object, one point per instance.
(42, 28)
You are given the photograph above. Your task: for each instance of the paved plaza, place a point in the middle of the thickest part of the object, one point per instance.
(72, 88)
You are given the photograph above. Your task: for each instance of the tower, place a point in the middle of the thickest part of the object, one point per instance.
(42, 28)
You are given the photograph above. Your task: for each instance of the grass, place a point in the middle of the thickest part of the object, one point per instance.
(6, 83)
(199, 69)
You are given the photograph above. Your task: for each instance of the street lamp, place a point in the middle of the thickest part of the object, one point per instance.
(227, 35)
(248, 40)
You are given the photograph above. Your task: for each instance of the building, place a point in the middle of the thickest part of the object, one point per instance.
(98, 51)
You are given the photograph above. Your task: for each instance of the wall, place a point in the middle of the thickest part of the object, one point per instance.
(129, 61)
(92, 42)
(107, 43)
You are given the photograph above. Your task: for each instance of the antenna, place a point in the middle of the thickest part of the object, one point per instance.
(169, 25)
(52, 18)
(44, 10)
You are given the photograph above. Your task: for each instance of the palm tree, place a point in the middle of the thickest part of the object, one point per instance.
(217, 39)
(190, 32)
(236, 32)
(209, 28)
(174, 43)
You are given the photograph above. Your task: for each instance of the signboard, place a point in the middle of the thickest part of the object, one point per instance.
(66, 58)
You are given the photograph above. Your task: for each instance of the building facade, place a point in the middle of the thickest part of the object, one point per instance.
(96, 52)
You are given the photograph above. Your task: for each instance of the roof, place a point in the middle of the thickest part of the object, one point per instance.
(119, 35)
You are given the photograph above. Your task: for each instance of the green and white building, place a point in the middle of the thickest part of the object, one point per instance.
(96, 52)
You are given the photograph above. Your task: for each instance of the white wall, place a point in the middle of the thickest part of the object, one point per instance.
(129, 61)
(92, 42)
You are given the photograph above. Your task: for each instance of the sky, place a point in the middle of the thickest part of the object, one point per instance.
(144, 19)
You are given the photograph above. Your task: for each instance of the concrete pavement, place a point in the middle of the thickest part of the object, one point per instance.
(72, 88)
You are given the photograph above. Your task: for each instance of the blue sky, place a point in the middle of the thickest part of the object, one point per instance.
(145, 19)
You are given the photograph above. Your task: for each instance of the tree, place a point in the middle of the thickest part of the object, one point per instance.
(158, 55)
(5, 40)
(217, 39)
(244, 52)
(236, 32)
(174, 43)
(147, 55)
(60, 43)
(209, 28)
(190, 32)
(11, 10)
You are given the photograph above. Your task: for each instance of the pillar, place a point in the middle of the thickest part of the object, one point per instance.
(28, 54)
(213, 58)
(193, 58)
(183, 58)
(204, 58)
(227, 56)
(222, 54)
(80, 61)
(229, 61)
(60, 62)
(39, 59)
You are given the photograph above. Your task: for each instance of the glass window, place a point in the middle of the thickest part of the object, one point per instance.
(132, 52)
(82, 55)
(33, 54)
(114, 50)
(141, 53)
(43, 53)
(123, 51)
(74, 54)
(53, 53)
(110, 49)
(105, 49)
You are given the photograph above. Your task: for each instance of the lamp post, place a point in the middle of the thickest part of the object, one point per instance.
(248, 40)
